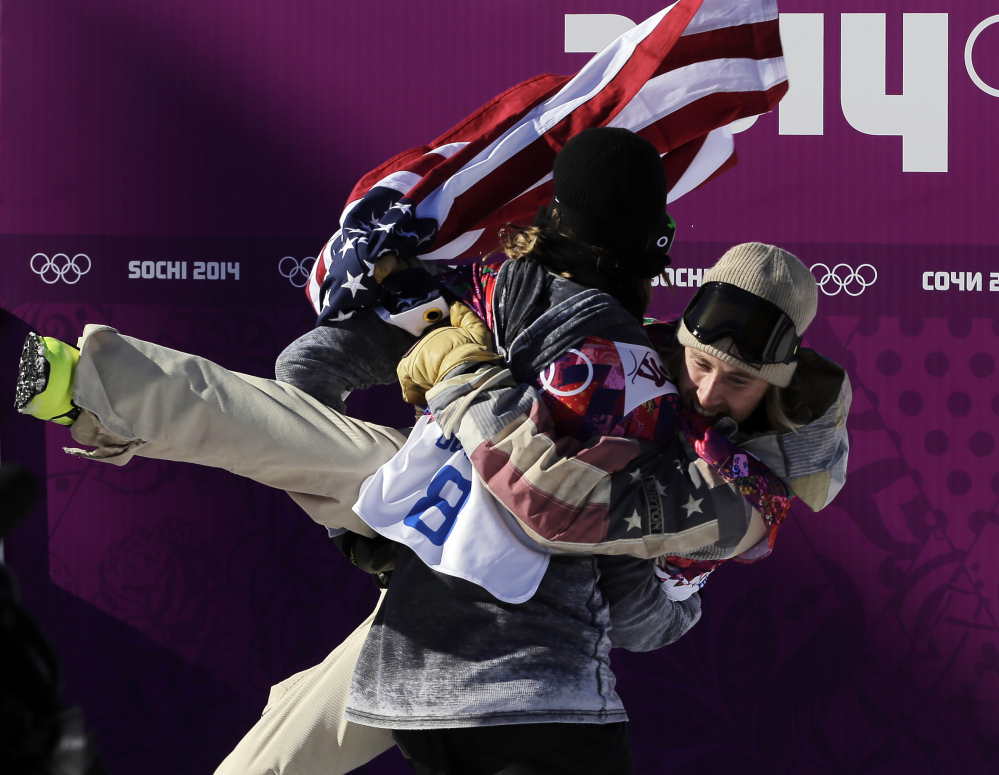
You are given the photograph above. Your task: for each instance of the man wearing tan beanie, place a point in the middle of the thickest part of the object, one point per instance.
(742, 332)
(742, 359)
(761, 295)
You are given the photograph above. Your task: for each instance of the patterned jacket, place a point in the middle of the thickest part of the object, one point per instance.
(618, 495)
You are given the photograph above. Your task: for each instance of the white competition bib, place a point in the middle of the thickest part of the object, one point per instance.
(429, 498)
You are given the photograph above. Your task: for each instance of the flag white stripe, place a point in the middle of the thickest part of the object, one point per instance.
(455, 247)
(719, 14)
(717, 148)
(667, 93)
(448, 150)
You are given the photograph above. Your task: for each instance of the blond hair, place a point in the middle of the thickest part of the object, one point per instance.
(562, 253)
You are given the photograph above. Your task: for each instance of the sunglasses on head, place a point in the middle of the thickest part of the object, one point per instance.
(760, 332)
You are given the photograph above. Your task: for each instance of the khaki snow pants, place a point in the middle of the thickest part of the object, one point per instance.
(303, 730)
(142, 399)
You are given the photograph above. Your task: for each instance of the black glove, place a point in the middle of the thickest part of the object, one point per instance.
(372, 555)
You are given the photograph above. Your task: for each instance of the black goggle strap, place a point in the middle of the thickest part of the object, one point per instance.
(654, 260)
(663, 239)
(759, 329)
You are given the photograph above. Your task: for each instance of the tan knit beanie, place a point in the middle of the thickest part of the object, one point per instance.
(772, 274)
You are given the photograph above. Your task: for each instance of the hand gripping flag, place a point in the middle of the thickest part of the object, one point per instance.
(678, 79)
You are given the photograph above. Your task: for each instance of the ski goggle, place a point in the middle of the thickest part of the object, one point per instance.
(760, 331)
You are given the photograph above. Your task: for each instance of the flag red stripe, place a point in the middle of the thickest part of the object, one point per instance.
(760, 40)
(679, 159)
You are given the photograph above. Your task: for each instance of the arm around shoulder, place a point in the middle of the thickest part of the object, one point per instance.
(643, 617)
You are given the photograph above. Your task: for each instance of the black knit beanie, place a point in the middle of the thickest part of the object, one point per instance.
(610, 191)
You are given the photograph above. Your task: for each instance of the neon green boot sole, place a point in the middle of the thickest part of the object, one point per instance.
(45, 380)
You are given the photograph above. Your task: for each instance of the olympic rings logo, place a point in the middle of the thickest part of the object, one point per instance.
(295, 271)
(843, 277)
(60, 267)
(547, 374)
(969, 48)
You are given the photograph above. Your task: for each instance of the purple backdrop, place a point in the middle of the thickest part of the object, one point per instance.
(167, 168)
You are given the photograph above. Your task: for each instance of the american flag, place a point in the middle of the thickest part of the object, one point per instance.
(678, 79)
